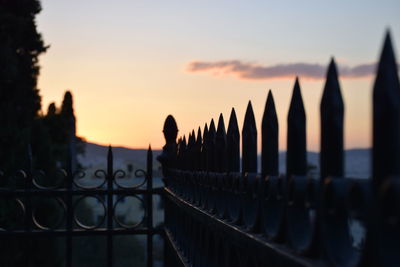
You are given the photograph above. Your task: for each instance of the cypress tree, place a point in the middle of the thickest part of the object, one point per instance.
(20, 46)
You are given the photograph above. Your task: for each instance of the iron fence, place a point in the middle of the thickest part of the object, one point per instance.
(109, 191)
(219, 212)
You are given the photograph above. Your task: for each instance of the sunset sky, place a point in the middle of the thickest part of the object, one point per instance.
(131, 63)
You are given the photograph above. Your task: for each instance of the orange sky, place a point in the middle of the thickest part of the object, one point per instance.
(126, 64)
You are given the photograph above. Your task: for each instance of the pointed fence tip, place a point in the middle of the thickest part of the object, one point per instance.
(205, 132)
(212, 124)
(296, 89)
(249, 108)
(269, 114)
(233, 112)
(221, 124)
(212, 128)
(332, 70)
(270, 98)
(388, 35)
(387, 44)
(297, 82)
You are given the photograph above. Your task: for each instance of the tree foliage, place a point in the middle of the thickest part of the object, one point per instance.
(20, 47)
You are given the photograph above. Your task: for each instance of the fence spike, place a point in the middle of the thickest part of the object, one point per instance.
(204, 148)
(386, 116)
(149, 162)
(220, 145)
(179, 153)
(249, 141)
(211, 147)
(184, 153)
(269, 138)
(189, 151)
(193, 136)
(193, 152)
(198, 150)
(332, 113)
(233, 143)
(296, 156)
(110, 160)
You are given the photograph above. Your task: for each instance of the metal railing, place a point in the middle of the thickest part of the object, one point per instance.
(217, 214)
(109, 192)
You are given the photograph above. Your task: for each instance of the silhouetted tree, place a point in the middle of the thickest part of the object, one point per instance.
(20, 47)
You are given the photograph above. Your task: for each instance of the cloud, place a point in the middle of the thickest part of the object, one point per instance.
(251, 71)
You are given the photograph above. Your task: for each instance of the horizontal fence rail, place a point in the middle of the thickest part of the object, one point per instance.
(219, 212)
(66, 189)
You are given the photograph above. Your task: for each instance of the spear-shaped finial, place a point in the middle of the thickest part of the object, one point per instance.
(249, 141)
(269, 138)
(296, 156)
(233, 143)
(332, 116)
(386, 116)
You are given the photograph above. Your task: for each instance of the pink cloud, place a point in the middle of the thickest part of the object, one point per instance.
(251, 71)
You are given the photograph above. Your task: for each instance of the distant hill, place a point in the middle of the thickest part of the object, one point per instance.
(96, 157)
(357, 161)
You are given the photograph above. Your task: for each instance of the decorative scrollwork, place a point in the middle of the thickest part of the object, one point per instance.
(45, 205)
(12, 214)
(134, 224)
(40, 179)
(120, 174)
(82, 224)
(79, 175)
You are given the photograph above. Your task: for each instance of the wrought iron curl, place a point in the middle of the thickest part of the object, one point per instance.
(101, 174)
(133, 226)
(81, 224)
(18, 179)
(57, 224)
(42, 174)
(139, 173)
(14, 226)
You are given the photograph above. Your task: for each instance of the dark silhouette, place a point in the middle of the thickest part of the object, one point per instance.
(20, 48)
(246, 218)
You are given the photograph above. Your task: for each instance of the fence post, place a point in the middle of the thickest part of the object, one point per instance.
(269, 140)
(296, 155)
(249, 142)
(211, 147)
(332, 113)
(204, 149)
(168, 156)
(69, 204)
(233, 143)
(383, 233)
(110, 205)
(149, 178)
(386, 117)
(197, 151)
(220, 146)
